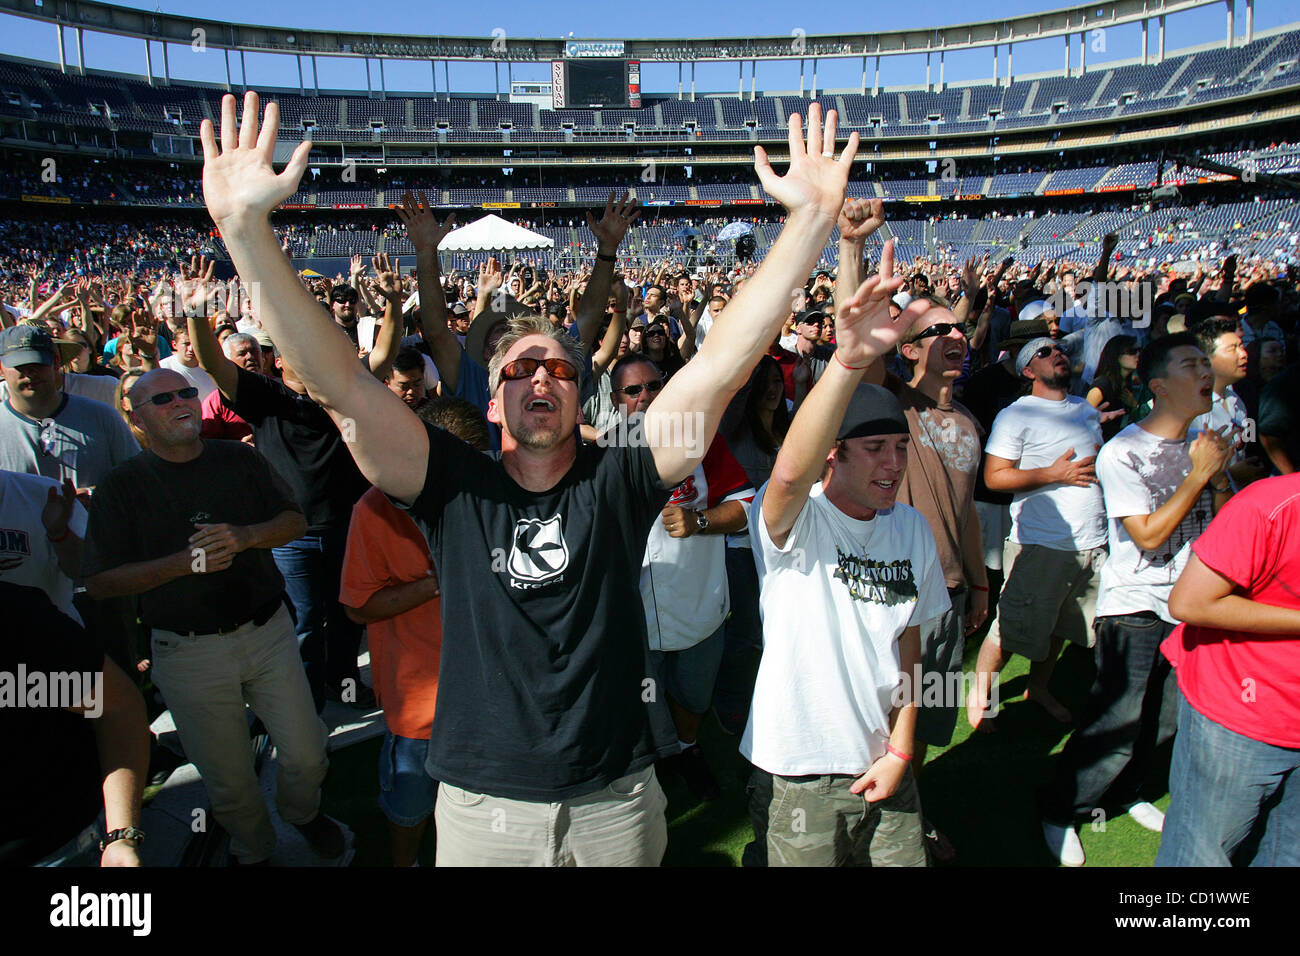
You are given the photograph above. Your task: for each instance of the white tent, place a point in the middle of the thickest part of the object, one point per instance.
(493, 234)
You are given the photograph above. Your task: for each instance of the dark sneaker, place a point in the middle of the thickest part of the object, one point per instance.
(324, 836)
(695, 771)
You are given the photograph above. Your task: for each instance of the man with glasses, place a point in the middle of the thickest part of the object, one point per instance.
(199, 557)
(684, 576)
(343, 307)
(811, 355)
(543, 740)
(1042, 449)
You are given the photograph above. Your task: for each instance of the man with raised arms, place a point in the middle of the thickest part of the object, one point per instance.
(547, 724)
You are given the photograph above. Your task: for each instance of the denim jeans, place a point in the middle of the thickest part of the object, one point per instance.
(1225, 786)
(312, 567)
(1131, 709)
(742, 639)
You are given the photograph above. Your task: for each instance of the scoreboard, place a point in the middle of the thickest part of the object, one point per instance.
(595, 74)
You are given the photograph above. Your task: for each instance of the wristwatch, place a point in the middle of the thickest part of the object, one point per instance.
(701, 521)
(126, 833)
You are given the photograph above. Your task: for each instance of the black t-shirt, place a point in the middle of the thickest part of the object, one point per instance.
(146, 508)
(543, 692)
(301, 442)
(990, 390)
(50, 789)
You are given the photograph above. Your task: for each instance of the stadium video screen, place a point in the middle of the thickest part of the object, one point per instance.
(597, 83)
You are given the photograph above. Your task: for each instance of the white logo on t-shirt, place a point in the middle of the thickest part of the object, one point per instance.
(538, 552)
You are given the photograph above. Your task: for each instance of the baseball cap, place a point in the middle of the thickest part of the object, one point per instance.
(263, 338)
(459, 308)
(902, 300)
(1026, 354)
(810, 315)
(1033, 310)
(26, 345)
(873, 410)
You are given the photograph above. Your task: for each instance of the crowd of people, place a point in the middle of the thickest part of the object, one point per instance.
(575, 515)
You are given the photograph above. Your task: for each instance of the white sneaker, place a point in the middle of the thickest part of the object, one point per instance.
(1148, 815)
(1064, 844)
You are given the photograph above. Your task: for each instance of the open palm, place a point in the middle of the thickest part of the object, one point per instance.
(239, 181)
(864, 330)
(816, 179)
(422, 226)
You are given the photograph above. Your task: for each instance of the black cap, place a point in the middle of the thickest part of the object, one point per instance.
(807, 315)
(873, 410)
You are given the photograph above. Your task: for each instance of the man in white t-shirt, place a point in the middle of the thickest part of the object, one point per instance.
(1220, 340)
(848, 577)
(1042, 448)
(185, 363)
(42, 527)
(1161, 490)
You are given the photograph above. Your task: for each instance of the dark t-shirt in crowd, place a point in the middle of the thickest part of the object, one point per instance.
(990, 390)
(147, 508)
(302, 443)
(50, 788)
(545, 691)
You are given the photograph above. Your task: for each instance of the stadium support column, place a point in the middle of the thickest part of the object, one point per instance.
(679, 81)
(302, 90)
(995, 64)
(814, 86)
(315, 79)
(1230, 4)
(864, 74)
(383, 87)
(1250, 21)
(167, 69)
(81, 52)
(496, 76)
(801, 79)
(1162, 39)
(227, 59)
(58, 41)
(1067, 54)
(1145, 43)
(370, 90)
(875, 89)
(942, 82)
(510, 76)
(740, 80)
(692, 81)
(243, 72)
(148, 58)
(929, 86)
(1011, 76)
(1083, 52)
(433, 68)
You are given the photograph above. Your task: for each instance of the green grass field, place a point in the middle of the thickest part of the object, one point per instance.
(979, 790)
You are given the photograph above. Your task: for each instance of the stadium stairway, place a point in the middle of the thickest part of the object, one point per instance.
(1263, 54)
(1101, 87)
(1029, 100)
(1173, 79)
(964, 115)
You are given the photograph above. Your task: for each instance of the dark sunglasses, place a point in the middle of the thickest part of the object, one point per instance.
(1046, 350)
(816, 322)
(344, 297)
(165, 398)
(939, 328)
(632, 391)
(653, 330)
(525, 367)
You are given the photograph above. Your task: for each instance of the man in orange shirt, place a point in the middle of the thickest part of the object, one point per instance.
(389, 584)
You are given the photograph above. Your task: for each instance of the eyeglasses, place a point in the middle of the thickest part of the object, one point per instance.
(559, 368)
(1046, 350)
(165, 398)
(816, 322)
(940, 328)
(632, 391)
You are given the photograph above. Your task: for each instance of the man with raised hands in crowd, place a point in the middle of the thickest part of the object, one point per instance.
(848, 578)
(541, 718)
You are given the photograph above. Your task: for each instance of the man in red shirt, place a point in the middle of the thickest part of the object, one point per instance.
(1237, 655)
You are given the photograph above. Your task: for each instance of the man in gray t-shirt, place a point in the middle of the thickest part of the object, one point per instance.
(44, 431)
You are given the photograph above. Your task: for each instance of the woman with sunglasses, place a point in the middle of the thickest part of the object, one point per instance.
(658, 346)
(1115, 386)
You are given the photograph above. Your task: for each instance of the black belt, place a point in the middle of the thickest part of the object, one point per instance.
(259, 617)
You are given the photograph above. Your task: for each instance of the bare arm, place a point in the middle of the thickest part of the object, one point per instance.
(1210, 455)
(389, 276)
(1003, 475)
(425, 233)
(241, 188)
(394, 600)
(864, 331)
(614, 334)
(1205, 597)
(813, 192)
(609, 233)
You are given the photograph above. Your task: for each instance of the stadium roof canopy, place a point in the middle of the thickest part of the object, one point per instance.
(89, 15)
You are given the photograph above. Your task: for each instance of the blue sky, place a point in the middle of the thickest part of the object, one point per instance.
(27, 38)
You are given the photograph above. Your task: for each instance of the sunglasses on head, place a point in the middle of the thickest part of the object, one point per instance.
(559, 368)
(632, 391)
(165, 398)
(939, 328)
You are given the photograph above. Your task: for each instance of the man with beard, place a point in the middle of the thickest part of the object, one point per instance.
(1042, 449)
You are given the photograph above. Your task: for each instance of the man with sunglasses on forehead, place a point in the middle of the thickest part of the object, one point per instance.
(1043, 450)
(545, 737)
(199, 557)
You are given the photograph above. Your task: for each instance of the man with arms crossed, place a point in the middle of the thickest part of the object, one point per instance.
(848, 577)
(541, 722)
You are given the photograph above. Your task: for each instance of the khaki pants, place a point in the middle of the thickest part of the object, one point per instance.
(620, 825)
(816, 821)
(207, 679)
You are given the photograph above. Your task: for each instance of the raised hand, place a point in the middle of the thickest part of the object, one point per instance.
(859, 218)
(614, 223)
(422, 227)
(490, 277)
(388, 276)
(58, 509)
(863, 328)
(239, 181)
(816, 179)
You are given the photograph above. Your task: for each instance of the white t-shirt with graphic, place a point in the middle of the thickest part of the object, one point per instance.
(1139, 472)
(1035, 432)
(27, 556)
(835, 599)
(1228, 416)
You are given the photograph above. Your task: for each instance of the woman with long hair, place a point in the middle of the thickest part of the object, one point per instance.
(123, 403)
(1115, 385)
(659, 347)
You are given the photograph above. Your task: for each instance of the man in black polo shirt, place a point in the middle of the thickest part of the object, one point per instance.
(188, 526)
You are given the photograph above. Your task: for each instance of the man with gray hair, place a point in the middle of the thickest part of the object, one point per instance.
(219, 419)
